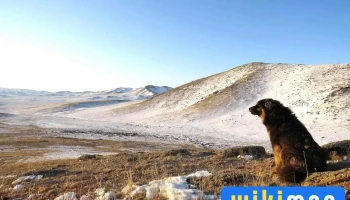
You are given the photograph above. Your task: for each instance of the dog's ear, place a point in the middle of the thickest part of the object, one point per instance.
(269, 104)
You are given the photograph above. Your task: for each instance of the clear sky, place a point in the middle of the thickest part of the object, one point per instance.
(82, 45)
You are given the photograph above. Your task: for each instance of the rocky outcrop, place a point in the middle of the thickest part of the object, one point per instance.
(337, 150)
(256, 151)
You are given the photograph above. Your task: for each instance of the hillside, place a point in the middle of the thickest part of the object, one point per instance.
(299, 86)
(318, 94)
(211, 111)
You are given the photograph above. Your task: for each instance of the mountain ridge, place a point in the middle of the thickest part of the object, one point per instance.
(30, 92)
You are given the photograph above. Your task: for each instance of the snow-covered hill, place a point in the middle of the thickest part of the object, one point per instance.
(217, 106)
(312, 87)
(151, 90)
(211, 111)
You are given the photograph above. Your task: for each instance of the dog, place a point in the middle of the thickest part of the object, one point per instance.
(296, 153)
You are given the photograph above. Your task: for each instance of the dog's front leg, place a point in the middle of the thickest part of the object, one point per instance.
(277, 152)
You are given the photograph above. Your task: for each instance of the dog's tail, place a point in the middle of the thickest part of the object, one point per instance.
(292, 174)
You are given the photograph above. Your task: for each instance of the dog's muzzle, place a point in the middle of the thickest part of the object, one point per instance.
(253, 110)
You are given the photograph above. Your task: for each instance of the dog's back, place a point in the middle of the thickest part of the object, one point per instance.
(301, 155)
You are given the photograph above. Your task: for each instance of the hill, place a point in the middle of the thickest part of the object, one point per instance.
(318, 94)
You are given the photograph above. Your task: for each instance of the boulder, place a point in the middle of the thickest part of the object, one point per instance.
(337, 150)
(175, 152)
(256, 151)
(330, 178)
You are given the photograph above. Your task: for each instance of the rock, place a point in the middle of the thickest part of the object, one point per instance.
(175, 152)
(335, 178)
(89, 157)
(337, 150)
(337, 165)
(254, 151)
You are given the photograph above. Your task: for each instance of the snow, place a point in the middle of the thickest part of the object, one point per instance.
(102, 194)
(65, 152)
(150, 90)
(31, 197)
(21, 92)
(157, 89)
(18, 187)
(129, 93)
(119, 90)
(246, 157)
(171, 188)
(8, 176)
(200, 174)
(211, 112)
(27, 178)
(67, 196)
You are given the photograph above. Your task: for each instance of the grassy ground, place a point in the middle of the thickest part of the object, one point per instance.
(133, 163)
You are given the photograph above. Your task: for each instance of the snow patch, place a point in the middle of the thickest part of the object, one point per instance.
(27, 178)
(172, 188)
(247, 157)
(200, 174)
(31, 197)
(102, 194)
(18, 187)
(67, 196)
(66, 152)
(8, 176)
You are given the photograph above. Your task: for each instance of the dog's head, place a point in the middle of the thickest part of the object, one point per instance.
(270, 109)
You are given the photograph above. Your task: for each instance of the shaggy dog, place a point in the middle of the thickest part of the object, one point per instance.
(295, 151)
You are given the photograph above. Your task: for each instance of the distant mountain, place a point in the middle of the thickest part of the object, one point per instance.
(151, 90)
(146, 91)
(119, 90)
(22, 92)
(158, 89)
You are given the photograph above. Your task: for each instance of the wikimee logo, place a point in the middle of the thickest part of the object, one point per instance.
(283, 193)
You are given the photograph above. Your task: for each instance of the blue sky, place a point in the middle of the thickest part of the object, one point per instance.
(102, 44)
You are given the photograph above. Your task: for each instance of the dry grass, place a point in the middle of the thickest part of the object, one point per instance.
(116, 171)
(131, 166)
